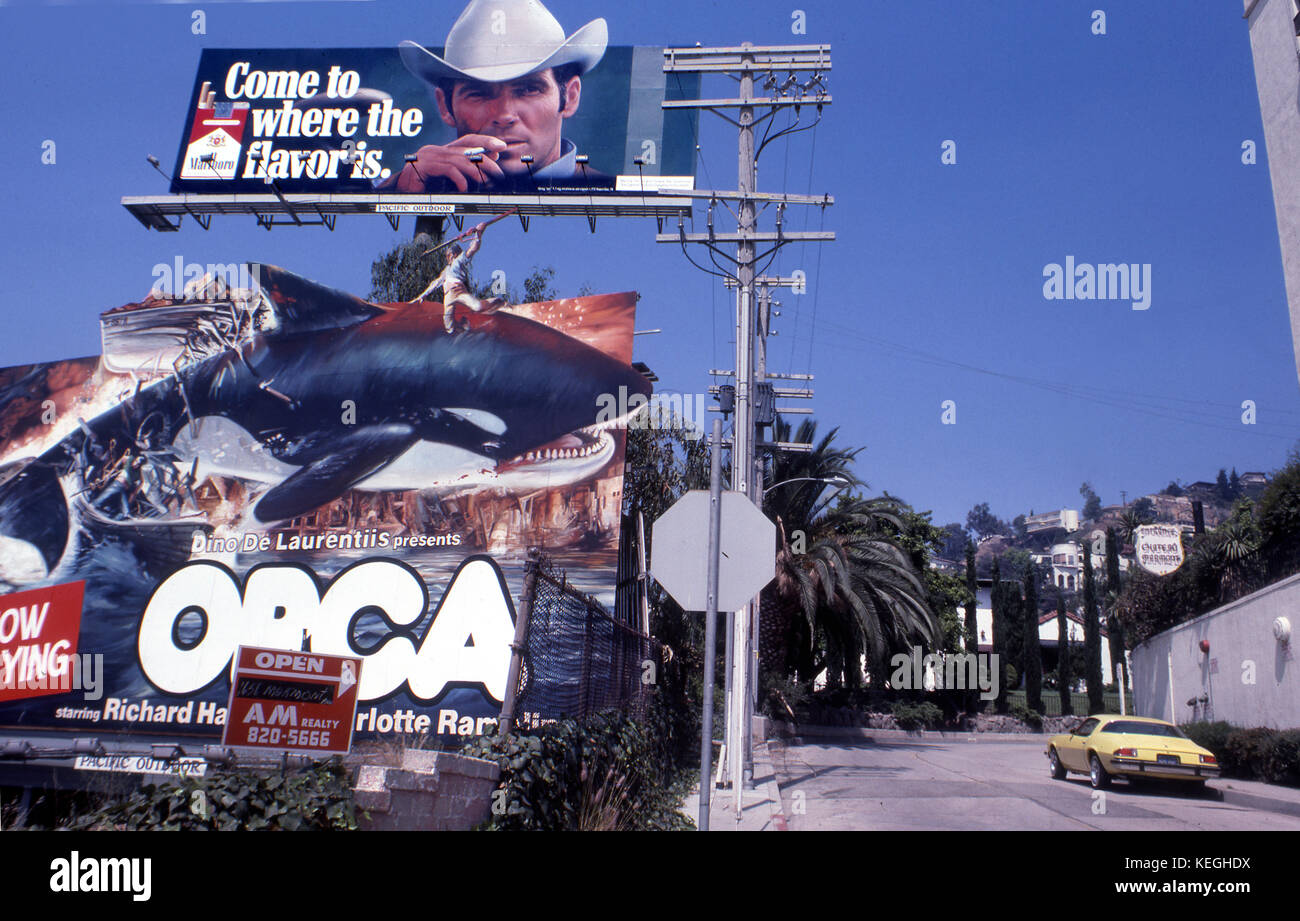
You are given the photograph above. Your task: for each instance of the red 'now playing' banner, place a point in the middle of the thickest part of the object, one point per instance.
(38, 638)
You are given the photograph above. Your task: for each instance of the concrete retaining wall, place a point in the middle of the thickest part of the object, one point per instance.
(430, 791)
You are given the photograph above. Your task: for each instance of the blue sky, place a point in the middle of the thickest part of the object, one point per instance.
(1117, 148)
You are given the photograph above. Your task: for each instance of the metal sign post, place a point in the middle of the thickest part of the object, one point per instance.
(738, 559)
(711, 625)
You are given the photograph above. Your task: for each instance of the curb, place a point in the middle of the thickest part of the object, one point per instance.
(768, 790)
(1254, 801)
(771, 789)
(785, 733)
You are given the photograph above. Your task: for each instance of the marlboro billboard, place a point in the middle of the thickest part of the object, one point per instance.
(510, 102)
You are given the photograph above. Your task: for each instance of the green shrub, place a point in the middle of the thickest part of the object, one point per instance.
(1214, 736)
(1031, 718)
(318, 798)
(1246, 748)
(783, 698)
(1281, 757)
(605, 772)
(913, 716)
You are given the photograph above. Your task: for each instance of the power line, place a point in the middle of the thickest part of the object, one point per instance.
(1143, 404)
(713, 319)
(817, 293)
(785, 183)
(1121, 394)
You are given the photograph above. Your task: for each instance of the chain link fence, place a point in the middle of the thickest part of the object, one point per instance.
(577, 659)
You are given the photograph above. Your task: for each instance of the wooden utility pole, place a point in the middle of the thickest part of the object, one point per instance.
(793, 77)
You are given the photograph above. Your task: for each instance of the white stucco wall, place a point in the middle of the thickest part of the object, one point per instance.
(1242, 651)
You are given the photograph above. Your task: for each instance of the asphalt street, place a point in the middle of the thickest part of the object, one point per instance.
(922, 784)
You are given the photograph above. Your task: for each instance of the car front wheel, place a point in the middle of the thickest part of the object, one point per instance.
(1054, 762)
(1097, 774)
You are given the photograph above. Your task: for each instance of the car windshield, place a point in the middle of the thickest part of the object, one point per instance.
(1144, 729)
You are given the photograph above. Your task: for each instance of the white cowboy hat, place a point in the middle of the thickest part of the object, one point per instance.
(500, 40)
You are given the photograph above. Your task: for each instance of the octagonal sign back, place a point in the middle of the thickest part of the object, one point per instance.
(679, 553)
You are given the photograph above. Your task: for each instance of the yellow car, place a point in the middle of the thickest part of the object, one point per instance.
(1109, 745)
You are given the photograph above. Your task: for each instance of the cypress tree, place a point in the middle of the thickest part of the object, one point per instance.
(1063, 676)
(999, 638)
(1112, 561)
(1118, 667)
(1092, 637)
(972, 586)
(1032, 665)
(972, 624)
(1013, 626)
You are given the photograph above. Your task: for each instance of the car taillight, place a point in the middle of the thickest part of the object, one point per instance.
(1126, 752)
(1209, 759)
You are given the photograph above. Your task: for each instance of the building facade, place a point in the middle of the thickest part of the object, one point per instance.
(1067, 518)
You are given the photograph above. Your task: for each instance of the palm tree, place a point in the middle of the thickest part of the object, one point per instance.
(843, 582)
(1129, 522)
(1232, 552)
(797, 500)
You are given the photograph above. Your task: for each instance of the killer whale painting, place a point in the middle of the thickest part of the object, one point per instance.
(297, 426)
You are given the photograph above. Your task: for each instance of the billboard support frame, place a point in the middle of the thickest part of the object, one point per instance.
(164, 212)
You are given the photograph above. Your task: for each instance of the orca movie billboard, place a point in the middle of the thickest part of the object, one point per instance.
(283, 465)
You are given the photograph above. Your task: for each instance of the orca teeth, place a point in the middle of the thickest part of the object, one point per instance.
(601, 440)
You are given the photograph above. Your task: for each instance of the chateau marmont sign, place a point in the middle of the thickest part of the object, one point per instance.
(1159, 548)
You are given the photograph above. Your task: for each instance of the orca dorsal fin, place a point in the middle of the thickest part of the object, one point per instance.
(300, 305)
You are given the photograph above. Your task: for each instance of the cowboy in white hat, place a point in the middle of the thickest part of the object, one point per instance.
(507, 82)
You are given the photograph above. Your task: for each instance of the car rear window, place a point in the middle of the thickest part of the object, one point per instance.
(1146, 729)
